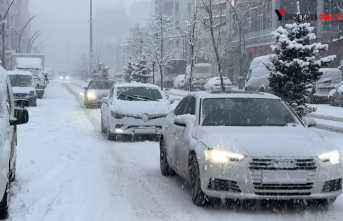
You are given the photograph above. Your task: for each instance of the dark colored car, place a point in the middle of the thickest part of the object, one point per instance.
(96, 90)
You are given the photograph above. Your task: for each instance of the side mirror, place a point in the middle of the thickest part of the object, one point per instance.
(310, 122)
(180, 123)
(336, 87)
(105, 100)
(167, 96)
(21, 116)
(172, 101)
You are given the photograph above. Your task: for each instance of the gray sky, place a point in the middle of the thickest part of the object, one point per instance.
(65, 21)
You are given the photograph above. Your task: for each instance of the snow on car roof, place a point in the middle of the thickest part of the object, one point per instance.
(18, 72)
(236, 94)
(216, 79)
(137, 84)
(334, 74)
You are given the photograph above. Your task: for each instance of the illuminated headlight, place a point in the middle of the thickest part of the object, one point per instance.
(61, 78)
(119, 131)
(67, 78)
(91, 96)
(32, 93)
(220, 156)
(332, 157)
(117, 115)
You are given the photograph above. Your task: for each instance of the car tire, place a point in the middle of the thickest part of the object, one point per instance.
(103, 129)
(110, 136)
(332, 101)
(199, 198)
(4, 204)
(166, 170)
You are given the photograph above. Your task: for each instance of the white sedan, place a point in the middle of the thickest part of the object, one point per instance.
(134, 109)
(179, 82)
(214, 84)
(247, 146)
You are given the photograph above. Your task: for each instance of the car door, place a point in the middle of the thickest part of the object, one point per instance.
(106, 111)
(182, 146)
(171, 131)
(12, 133)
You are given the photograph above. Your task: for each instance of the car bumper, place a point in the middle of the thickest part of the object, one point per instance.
(237, 181)
(132, 126)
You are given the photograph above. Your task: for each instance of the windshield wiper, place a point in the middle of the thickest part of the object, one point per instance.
(145, 97)
(127, 96)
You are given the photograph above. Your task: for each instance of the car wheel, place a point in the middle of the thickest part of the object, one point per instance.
(166, 170)
(103, 129)
(4, 204)
(332, 101)
(198, 196)
(110, 136)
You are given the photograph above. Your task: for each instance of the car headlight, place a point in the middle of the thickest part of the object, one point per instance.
(32, 93)
(91, 96)
(61, 78)
(67, 78)
(332, 157)
(117, 115)
(221, 156)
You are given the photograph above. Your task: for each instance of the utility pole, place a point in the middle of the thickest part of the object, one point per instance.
(91, 39)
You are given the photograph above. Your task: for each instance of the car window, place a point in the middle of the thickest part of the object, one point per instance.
(246, 112)
(180, 108)
(21, 80)
(100, 85)
(190, 109)
(138, 94)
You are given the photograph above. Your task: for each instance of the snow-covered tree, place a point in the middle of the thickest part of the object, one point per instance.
(141, 72)
(159, 46)
(100, 71)
(136, 41)
(296, 64)
(128, 70)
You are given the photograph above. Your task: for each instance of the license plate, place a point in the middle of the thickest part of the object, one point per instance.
(269, 177)
(145, 131)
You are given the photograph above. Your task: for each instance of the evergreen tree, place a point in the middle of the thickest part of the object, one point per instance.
(296, 64)
(128, 70)
(141, 72)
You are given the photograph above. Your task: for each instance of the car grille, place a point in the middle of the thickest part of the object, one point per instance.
(223, 185)
(257, 166)
(151, 117)
(20, 94)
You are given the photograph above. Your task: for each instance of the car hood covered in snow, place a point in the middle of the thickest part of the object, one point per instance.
(263, 141)
(142, 107)
(22, 90)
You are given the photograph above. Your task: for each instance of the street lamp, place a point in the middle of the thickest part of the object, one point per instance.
(32, 39)
(22, 31)
(30, 45)
(3, 60)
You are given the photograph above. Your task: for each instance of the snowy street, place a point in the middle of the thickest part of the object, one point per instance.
(68, 170)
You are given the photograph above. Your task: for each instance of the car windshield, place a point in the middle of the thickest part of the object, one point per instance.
(21, 80)
(100, 85)
(247, 112)
(138, 93)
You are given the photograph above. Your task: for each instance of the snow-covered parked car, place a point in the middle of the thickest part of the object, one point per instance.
(214, 84)
(201, 74)
(257, 77)
(23, 88)
(134, 109)
(331, 77)
(10, 117)
(179, 82)
(247, 146)
(95, 91)
(336, 95)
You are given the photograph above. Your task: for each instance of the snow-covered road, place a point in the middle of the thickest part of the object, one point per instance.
(67, 170)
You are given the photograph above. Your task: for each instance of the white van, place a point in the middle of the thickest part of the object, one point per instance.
(201, 74)
(257, 77)
(10, 117)
(23, 88)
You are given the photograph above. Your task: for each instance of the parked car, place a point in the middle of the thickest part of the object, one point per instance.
(214, 84)
(257, 77)
(23, 88)
(95, 91)
(330, 78)
(335, 96)
(134, 109)
(247, 146)
(10, 117)
(179, 82)
(201, 74)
